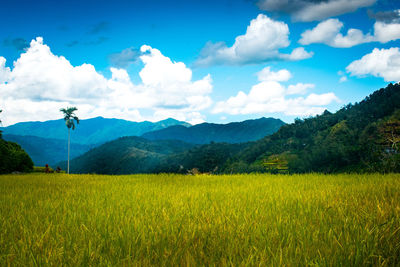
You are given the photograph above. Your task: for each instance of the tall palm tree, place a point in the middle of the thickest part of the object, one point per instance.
(70, 118)
(0, 124)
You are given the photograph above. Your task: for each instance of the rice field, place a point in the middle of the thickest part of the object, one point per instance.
(178, 220)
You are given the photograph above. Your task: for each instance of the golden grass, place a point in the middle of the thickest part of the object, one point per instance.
(176, 220)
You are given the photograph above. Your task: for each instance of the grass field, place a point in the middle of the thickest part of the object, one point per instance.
(175, 220)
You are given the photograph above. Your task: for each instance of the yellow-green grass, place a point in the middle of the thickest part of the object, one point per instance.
(177, 220)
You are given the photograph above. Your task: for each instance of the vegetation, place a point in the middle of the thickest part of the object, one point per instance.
(358, 138)
(176, 220)
(69, 118)
(126, 155)
(13, 158)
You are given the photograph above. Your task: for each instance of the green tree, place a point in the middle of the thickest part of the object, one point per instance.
(70, 118)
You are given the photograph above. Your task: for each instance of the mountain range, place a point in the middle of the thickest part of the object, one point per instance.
(234, 132)
(46, 141)
(89, 132)
(361, 137)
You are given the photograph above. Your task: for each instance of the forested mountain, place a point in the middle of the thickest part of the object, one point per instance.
(91, 131)
(363, 137)
(126, 155)
(47, 150)
(235, 132)
(360, 137)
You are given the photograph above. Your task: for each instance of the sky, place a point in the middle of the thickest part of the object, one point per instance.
(194, 60)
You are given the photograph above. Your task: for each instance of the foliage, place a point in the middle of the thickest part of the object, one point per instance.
(184, 220)
(70, 117)
(13, 158)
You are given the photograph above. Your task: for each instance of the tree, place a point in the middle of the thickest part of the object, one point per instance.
(0, 122)
(70, 118)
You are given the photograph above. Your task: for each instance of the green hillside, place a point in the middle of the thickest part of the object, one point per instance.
(126, 155)
(13, 158)
(360, 137)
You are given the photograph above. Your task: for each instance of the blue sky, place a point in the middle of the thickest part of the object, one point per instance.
(214, 61)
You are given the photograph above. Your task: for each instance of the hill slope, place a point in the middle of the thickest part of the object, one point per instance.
(364, 137)
(235, 132)
(13, 157)
(91, 131)
(126, 155)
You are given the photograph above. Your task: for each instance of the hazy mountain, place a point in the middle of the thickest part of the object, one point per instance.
(234, 132)
(126, 155)
(91, 131)
(47, 150)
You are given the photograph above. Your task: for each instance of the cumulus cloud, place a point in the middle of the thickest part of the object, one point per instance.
(40, 83)
(328, 32)
(299, 88)
(279, 76)
(4, 71)
(261, 42)
(384, 63)
(312, 10)
(270, 96)
(385, 32)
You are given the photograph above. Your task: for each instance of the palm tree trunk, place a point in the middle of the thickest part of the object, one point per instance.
(68, 148)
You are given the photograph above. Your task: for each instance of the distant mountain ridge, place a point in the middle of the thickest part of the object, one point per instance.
(90, 131)
(234, 132)
(47, 150)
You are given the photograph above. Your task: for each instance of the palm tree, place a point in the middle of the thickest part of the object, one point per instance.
(70, 118)
(0, 123)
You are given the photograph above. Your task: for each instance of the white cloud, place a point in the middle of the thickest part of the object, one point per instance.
(383, 63)
(299, 88)
(267, 75)
(328, 32)
(298, 53)
(386, 32)
(261, 42)
(40, 83)
(311, 10)
(269, 96)
(4, 71)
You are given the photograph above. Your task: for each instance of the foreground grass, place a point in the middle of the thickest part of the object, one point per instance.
(176, 220)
